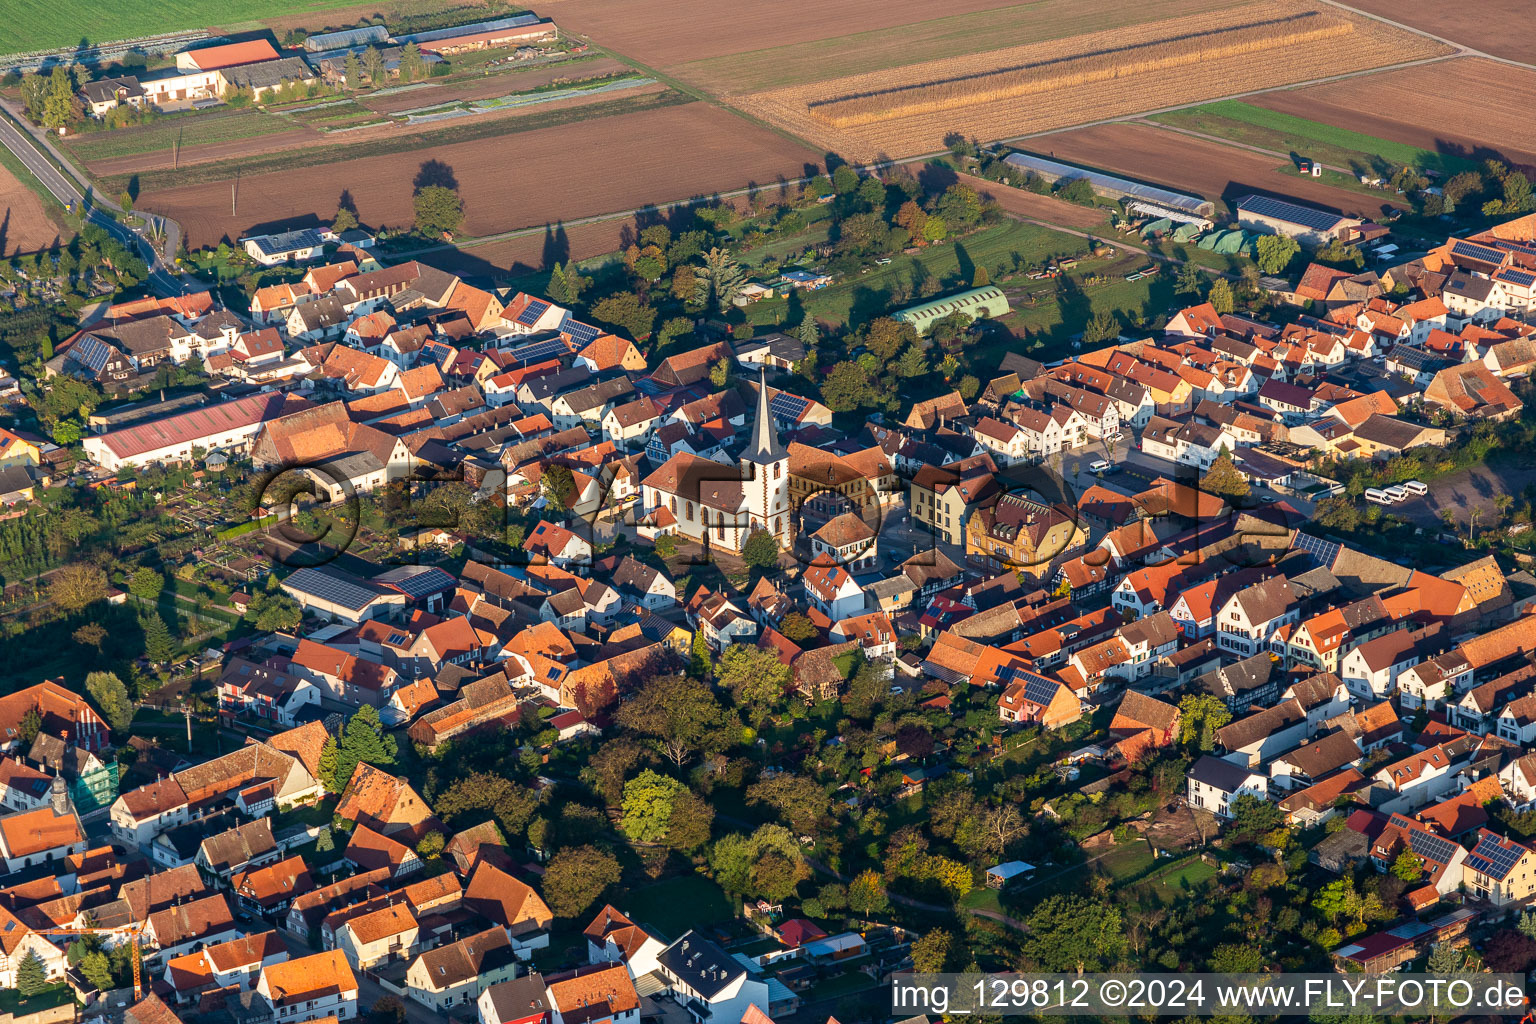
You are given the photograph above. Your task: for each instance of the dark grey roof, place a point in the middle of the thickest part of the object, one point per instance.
(334, 586)
(1292, 213)
(519, 998)
(1220, 773)
(763, 447)
(287, 241)
(701, 965)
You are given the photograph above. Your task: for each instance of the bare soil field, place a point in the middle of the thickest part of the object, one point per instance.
(679, 31)
(1428, 107)
(307, 138)
(1033, 206)
(24, 222)
(1192, 165)
(508, 184)
(489, 86)
(954, 35)
(1087, 77)
(1499, 27)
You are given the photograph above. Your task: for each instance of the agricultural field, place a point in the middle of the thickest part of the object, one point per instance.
(1216, 171)
(543, 185)
(1027, 205)
(1286, 133)
(47, 24)
(25, 224)
(1487, 25)
(1089, 77)
(489, 86)
(201, 129)
(1428, 108)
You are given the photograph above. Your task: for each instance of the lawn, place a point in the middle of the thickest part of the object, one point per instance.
(1128, 860)
(44, 24)
(182, 130)
(11, 1001)
(1270, 129)
(1180, 878)
(678, 904)
(861, 298)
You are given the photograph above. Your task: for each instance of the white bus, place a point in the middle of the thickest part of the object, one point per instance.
(1378, 496)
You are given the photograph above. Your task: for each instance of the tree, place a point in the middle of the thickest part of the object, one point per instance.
(1223, 479)
(75, 586)
(931, 953)
(692, 819)
(158, 645)
(111, 696)
(1408, 866)
(866, 894)
(558, 486)
(387, 1010)
(31, 723)
(412, 65)
(373, 64)
(1191, 280)
(1275, 252)
(756, 678)
(577, 877)
(431, 845)
(767, 864)
(798, 628)
(912, 217)
(1074, 933)
(344, 220)
(913, 363)
(95, 968)
(1220, 296)
(798, 800)
(666, 546)
(1339, 253)
(648, 803)
(31, 973)
(1200, 715)
(625, 310)
(720, 373)
(885, 337)
(1509, 952)
(680, 713)
(146, 584)
(760, 551)
(934, 229)
(1445, 959)
(60, 107)
(352, 69)
(1236, 958)
(845, 180)
(846, 388)
(718, 281)
(698, 659)
(363, 740)
(1517, 193)
(981, 278)
(1102, 326)
(439, 210)
(808, 333)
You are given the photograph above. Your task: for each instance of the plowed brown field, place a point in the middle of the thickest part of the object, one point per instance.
(489, 86)
(24, 223)
(537, 177)
(1215, 171)
(1428, 107)
(1499, 27)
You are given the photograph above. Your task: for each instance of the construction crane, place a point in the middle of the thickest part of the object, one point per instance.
(133, 938)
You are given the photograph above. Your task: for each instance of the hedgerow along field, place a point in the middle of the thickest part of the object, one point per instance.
(1272, 129)
(1084, 84)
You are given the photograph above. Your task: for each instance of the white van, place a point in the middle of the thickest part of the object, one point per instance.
(1415, 487)
(1097, 466)
(1397, 492)
(1378, 496)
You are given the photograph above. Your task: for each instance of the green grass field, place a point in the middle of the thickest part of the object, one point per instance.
(192, 130)
(861, 298)
(678, 904)
(43, 25)
(1270, 129)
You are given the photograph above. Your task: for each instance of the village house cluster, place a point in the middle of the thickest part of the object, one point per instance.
(915, 545)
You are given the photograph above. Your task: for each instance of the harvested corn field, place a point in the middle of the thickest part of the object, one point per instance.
(1041, 86)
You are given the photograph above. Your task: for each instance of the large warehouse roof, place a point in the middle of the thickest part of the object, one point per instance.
(1054, 170)
(1291, 213)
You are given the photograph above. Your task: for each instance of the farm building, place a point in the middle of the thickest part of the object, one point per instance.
(226, 425)
(100, 97)
(212, 58)
(977, 302)
(1308, 224)
(269, 75)
(1147, 199)
(346, 38)
(483, 35)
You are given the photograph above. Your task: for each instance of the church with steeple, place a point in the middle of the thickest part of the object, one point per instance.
(721, 504)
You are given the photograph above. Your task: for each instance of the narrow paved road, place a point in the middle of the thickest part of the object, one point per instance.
(32, 147)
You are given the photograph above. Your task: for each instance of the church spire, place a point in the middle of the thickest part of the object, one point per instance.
(764, 446)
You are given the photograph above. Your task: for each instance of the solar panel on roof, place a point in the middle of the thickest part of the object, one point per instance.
(327, 587)
(786, 406)
(1323, 551)
(1431, 847)
(537, 351)
(1520, 277)
(580, 333)
(92, 353)
(1292, 213)
(1473, 251)
(531, 313)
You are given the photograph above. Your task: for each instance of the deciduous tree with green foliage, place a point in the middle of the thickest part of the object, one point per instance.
(111, 696)
(648, 803)
(146, 584)
(866, 894)
(1074, 933)
(760, 551)
(680, 713)
(1223, 479)
(438, 209)
(768, 864)
(931, 952)
(756, 679)
(577, 877)
(1200, 715)
(1273, 253)
(1220, 296)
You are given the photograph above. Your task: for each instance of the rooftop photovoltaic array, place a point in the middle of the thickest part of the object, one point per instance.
(327, 587)
(1494, 859)
(92, 353)
(785, 406)
(1523, 278)
(1473, 251)
(1291, 213)
(1326, 552)
(1431, 847)
(537, 351)
(288, 241)
(580, 333)
(1161, 196)
(417, 581)
(531, 313)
